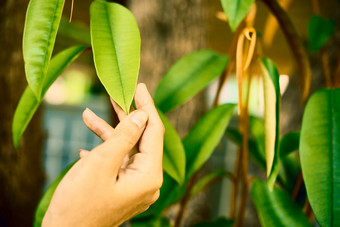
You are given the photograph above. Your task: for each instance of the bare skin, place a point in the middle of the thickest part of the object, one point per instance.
(118, 179)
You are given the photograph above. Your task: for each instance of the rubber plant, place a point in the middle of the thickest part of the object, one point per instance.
(115, 42)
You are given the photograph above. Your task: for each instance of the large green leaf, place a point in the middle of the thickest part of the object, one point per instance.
(235, 11)
(272, 99)
(116, 50)
(205, 136)
(275, 207)
(220, 222)
(320, 155)
(28, 103)
(187, 77)
(174, 154)
(41, 26)
(319, 31)
(46, 199)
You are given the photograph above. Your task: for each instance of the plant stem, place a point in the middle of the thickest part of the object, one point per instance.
(186, 199)
(295, 44)
(235, 184)
(230, 67)
(298, 185)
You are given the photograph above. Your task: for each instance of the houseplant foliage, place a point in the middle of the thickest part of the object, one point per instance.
(115, 43)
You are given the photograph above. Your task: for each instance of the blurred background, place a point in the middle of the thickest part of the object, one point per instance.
(169, 30)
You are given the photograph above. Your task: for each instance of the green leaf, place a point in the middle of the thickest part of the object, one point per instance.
(41, 26)
(187, 77)
(289, 169)
(272, 101)
(275, 207)
(289, 143)
(205, 136)
(222, 221)
(320, 156)
(319, 31)
(76, 30)
(160, 221)
(174, 154)
(170, 193)
(208, 179)
(116, 50)
(257, 131)
(46, 199)
(28, 103)
(235, 11)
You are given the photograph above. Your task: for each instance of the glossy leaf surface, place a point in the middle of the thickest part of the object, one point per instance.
(319, 31)
(173, 154)
(275, 207)
(46, 199)
(28, 103)
(217, 223)
(235, 11)
(41, 26)
(187, 77)
(320, 156)
(272, 97)
(205, 136)
(116, 50)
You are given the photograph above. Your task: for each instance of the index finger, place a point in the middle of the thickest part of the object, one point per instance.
(152, 140)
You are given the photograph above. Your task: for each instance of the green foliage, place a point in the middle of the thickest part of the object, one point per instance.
(208, 179)
(116, 50)
(173, 154)
(41, 26)
(199, 145)
(152, 222)
(76, 30)
(319, 154)
(187, 77)
(275, 207)
(204, 137)
(254, 153)
(28, 103)
(235, 11)
(319, 31)
(272, 97)
(46, 199)
(289, 143)
(217, 223)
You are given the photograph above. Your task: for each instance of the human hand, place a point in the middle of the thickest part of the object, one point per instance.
(113, 182)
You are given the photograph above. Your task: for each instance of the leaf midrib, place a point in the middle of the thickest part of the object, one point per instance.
(196, 71)
(44, 72)
(115, 52)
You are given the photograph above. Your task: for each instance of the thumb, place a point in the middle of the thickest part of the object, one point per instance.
(124, 138)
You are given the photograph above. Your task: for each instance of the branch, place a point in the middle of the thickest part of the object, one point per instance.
(295, 45)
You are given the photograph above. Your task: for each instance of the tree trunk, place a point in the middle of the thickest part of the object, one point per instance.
(21, 174)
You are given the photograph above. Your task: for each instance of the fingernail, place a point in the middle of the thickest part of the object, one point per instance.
(139, 117)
